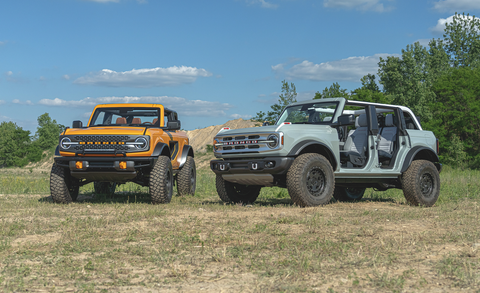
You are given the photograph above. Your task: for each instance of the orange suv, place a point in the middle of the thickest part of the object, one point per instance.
(122, 143)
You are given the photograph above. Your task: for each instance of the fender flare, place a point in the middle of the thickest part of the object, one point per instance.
(57, 151)
(299, 147)
(186, 151)
(161, 149)
(427, 154)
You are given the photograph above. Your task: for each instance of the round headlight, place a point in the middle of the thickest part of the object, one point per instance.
(273, 141)
(65, 143)
(141, 143)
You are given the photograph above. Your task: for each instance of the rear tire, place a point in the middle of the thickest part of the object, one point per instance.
(236, 193)
(161, 181)
(348, 193)
(107, 188)
(63, 188)
(187, 178)
(310, 180)
(421, 183)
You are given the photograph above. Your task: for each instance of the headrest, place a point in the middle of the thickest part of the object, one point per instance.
(121, 120)
(362, 120)
(136, 121)
(154, 121)
(389, 120)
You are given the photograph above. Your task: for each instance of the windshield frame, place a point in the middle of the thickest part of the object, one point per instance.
(305, 107)
(125, 112)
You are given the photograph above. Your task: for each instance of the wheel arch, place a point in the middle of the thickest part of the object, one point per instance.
(420, 153)
(161, 149)
(186, 151)
(311, 146)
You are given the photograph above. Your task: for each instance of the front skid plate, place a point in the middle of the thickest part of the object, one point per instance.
(250, 179)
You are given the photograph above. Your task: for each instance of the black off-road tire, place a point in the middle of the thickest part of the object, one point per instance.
(236, 193)
(348, 193)
(310, 180)
(421, 183)
(161, 181)
(107, 188)
(187, 178)
(63, 188)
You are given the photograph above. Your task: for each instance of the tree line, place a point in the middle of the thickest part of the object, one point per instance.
(18, 147)
(440, 83)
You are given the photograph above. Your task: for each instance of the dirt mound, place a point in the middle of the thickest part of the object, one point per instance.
(200, 139)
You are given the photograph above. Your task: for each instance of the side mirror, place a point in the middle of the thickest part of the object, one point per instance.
(346, 120)
(77, 124)
(266, 123)
(174, 125)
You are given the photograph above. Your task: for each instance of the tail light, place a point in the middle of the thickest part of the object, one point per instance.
(438, 147)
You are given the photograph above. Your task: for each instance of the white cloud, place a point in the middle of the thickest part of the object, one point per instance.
(3, 43)
(2, 102)
(456, 5)
(350, 69)
(66, 77)
(362, 5)
(196, 108)
(262, 3)
(15, 78)
(440, 27)
(17, 101)
(236, 116)
(147, 77)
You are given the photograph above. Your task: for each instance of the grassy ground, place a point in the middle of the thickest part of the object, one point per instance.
(197, 243)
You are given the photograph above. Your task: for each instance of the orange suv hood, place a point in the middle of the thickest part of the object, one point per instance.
(106, 131)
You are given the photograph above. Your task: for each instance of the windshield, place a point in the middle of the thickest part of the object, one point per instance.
(126, 117)
(314, 113)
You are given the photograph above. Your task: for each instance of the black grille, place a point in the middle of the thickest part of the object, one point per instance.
(101, 138)
(100, 147)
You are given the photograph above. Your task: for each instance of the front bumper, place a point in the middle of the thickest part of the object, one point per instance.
(268, 165)
(111, 169)
(260, 172)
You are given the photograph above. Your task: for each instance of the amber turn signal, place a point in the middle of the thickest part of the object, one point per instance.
(79, 165)
(123, 165)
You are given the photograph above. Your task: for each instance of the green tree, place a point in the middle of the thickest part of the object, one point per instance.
(462, 40)
(48, 131)
(14, 145)
(334, 91)
(369, 91)
(368, 83)
(288, 96)
(409, 78)
(456, 121)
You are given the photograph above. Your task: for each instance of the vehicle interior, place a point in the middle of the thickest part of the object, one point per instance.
(354, 138)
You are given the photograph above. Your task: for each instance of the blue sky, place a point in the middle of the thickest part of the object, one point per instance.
(211, 61)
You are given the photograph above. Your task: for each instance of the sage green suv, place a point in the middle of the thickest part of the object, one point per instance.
(330, 147)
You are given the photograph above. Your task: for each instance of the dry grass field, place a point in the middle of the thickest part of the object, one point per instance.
(125, 244)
